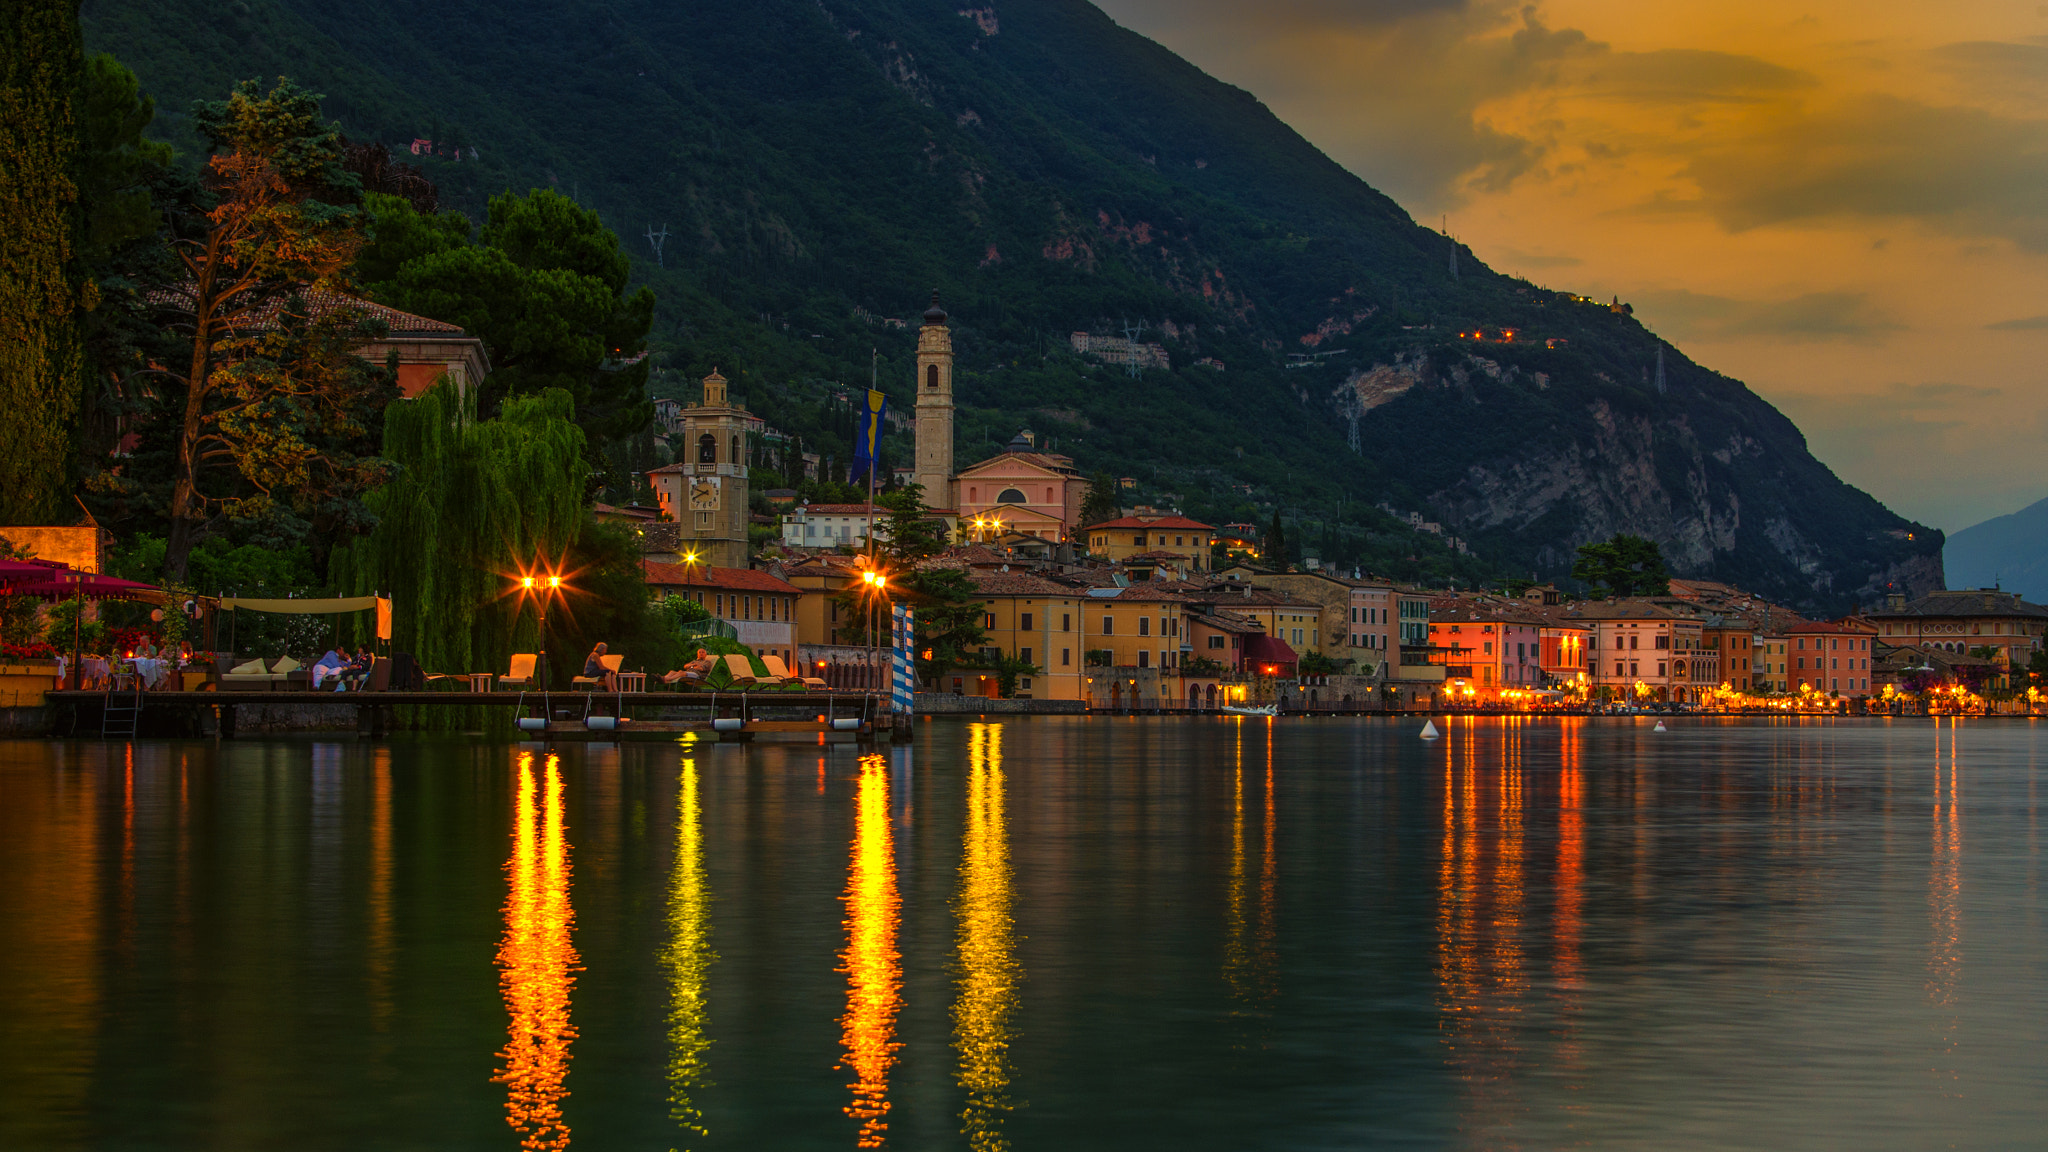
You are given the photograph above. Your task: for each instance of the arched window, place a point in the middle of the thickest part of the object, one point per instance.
(736, 450)
(1011, 496)
(931, 377)
(707, 449)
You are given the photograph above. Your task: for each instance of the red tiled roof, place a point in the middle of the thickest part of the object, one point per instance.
(1155, 522)
(1835, 626)
(322, 302)
(1018, 584)
(704, 576)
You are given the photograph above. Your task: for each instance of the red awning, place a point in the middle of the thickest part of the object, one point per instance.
(67, 584)
(14, 572)
(1268, 650)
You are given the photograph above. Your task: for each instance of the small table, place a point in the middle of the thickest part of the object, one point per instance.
(480, 681)
(631, 681)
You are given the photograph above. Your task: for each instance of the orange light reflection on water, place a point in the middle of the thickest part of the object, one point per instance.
(537, 963)
(1945, 902)
(873, 968)
(989, 973)
(688, 959)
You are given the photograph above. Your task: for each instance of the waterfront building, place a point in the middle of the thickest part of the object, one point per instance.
(1030, 618)
(1642, 650)
(760, 606)
(1964, 620)
(1832, 657)
(1486, 645)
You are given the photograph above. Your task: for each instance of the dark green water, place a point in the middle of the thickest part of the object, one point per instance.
(1040, 934)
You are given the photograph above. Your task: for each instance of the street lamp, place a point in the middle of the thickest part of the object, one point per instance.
(542, 588)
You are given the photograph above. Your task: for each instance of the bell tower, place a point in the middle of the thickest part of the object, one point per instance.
(705, 490)
(935, 408)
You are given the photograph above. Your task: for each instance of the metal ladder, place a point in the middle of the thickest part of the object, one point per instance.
(121, 719)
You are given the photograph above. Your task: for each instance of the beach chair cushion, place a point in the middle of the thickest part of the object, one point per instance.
(251, 668)
(520, 671)
(742, 670)
(284, 666)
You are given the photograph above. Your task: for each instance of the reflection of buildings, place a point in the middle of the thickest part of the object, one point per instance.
(1481, 967)
(687, 958)
(989, 972)
(1250, 963)
(1945, 897)
(874, 972)
(537, 963)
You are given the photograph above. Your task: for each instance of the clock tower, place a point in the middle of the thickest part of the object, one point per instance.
(705, 490)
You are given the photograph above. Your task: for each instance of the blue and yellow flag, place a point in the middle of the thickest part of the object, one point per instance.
(871, 421)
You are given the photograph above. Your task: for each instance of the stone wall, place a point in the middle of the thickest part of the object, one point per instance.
(953, 704)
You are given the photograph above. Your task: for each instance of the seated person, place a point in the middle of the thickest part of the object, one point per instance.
(147, 651)
(359, 666)
(694, 672)
(593, 667)
(330, 665)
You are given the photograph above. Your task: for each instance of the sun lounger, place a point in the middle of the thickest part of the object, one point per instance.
(780, 671)
(520, 674)
(742, 670)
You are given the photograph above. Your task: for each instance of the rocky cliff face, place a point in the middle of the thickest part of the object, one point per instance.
(1585, 459)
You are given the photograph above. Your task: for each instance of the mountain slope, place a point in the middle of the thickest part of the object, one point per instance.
(821, 166)
(2009, 552)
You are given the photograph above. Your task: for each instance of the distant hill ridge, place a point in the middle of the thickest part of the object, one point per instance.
(2008, 552)
(822, 164)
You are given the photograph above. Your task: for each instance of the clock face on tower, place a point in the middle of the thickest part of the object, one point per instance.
(704, 493)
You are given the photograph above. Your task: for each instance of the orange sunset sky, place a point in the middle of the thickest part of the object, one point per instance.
(1843, 204)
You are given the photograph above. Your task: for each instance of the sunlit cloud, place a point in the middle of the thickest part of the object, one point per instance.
(1814, 200)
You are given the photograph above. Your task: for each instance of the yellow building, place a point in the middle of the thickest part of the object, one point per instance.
(1141, 534)
(706, 490)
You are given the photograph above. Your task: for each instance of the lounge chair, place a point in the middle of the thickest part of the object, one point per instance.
(611, 665)
(254, 676)
(742, 671)
(781, 672)
(520, 674)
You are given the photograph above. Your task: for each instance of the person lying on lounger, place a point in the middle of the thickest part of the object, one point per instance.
(694, 672)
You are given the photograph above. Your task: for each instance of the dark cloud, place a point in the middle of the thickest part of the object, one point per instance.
(1685, 75)
(2023, 324)
(1965, 169)
(1816, 316)
(1995, 64)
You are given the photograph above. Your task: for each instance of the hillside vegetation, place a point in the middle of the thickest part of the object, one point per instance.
(821, 167)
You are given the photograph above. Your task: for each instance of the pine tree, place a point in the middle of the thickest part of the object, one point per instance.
(1276, 542)
(42, 75)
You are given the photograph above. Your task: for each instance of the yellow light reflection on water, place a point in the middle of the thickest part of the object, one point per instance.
(1250, 955)
(1945, 902)
(989, 972)
(687, 958)
(874, 971)
(537, 962)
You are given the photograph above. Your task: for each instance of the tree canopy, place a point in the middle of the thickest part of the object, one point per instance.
(1624, 566)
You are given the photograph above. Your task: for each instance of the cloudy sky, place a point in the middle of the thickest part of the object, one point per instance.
(1843, 204)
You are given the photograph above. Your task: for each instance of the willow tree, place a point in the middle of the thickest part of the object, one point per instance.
(42, 355)
(475, 503)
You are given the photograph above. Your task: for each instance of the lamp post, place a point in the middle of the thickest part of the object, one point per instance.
(542, 587)
(874, 585)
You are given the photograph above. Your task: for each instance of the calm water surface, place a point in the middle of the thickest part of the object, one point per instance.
(1038, 934)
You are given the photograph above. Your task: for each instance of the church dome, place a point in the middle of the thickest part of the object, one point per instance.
(935, 314)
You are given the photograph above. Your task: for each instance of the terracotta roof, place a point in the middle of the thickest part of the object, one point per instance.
(1840, 627)
(842, 509)
(1227, 622)
(705, 576)
(1967, 602)
(322, 302)
(1156, 554)
(1018, 584)
(1153, 522)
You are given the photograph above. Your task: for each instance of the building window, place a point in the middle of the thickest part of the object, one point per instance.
(1066, 622)
(988, 620)
(707, 449)
(1108, 626)
(1011, 496)
(1024, 654)
(1144, 625)
(1138, 540)
(931, 377)
(735, 450)
(1024, 622)
(1144, 658)
(1215, 641)
(1066, 655)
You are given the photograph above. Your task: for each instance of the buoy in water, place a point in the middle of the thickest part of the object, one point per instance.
(1429, 731)
(1660, 727)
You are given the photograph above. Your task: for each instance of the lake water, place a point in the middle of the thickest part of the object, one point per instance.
(1044, 933)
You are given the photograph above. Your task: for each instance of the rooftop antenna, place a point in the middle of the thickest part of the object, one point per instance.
(656, 240)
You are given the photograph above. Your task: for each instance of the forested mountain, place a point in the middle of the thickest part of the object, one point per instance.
(820, 167)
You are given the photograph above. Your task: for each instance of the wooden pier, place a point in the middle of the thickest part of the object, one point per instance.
(805, 717)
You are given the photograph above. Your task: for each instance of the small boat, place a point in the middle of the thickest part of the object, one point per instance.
(1251, 709)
